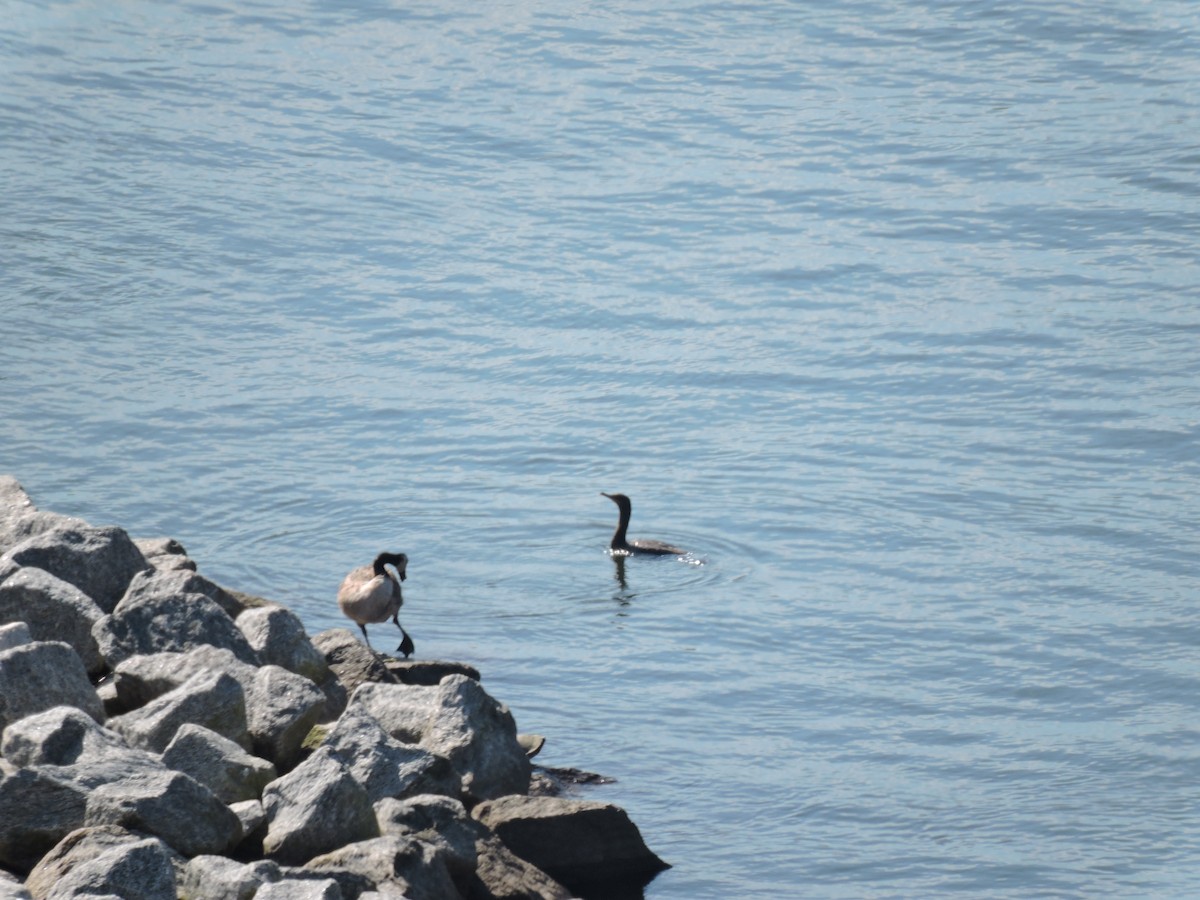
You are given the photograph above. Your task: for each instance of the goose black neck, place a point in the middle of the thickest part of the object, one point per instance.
(399, 560)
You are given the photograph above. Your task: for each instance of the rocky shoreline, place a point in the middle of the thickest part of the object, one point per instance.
(162, 737)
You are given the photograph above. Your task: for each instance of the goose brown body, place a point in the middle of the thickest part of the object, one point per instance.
(620, 545)
(371, 594)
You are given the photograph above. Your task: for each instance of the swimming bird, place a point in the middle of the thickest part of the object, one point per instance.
(620, 546)
(371, 594)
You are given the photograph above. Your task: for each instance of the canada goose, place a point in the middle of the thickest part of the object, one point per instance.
(622, 547)
(371, 594)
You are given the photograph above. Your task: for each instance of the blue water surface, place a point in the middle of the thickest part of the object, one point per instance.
(888, 311)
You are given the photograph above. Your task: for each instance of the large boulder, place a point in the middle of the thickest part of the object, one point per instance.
(20, 519)
(278, 637)
(221, 878)
(175, 581)
(151, 622)
(351, 663)
(218, 763)
(281, 706)
(99, 561)
(210, 699)
(314, 809)
(124, 786)
(587, 845)
(38, 812)
(457, 720)
(479, 863)
(54, 610)
(384, 766)
(41, 675)
(105, 861)
(400, 864)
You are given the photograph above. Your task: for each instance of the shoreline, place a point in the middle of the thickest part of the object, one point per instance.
(162, 736)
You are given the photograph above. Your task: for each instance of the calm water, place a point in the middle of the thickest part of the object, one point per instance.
(890, 313)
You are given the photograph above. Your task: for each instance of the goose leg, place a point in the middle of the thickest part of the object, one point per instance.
(364, 631)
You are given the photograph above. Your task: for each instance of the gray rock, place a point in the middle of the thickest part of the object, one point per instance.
(411, 867)
(219, 878)
(41, 675)
(428, 672)
(278, 637)
(314, 809)
(64, 736)
(584, 844)
(179, 582)
(145, 623)
(505, 876)
(11, 888)
(351, 663)
(281, 706)
(124, 786)
(384, 766)
(99, 561)
(301, 889)
(105, 861)
(20, 519)
(458, 720)
(38, 812)
(218, 763)
(14, 634)
(479, 862)
(253, 818)
(54, 611)
(165, 554)
(211, 699)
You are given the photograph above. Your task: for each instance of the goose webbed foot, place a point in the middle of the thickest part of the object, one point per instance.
(406, 644)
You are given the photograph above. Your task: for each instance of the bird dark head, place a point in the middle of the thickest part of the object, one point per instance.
(619, 499)
(399, 560)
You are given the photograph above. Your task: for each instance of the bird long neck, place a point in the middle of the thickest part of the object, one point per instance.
(619, 541)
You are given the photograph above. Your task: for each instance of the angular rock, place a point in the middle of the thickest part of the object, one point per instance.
(152, 623)
(219, 878)
(105, 860)
(384, 766)
(415, 869)
(11, 888)
(218, 763)
(301, 889)
(20, 519)
(314, 809)
(350, 662)
(124, 786)
(99, 561)
(37, 812)
(42, 675)
(458, 720)
(213, 700)
(479, 863)
(178, 582)
(54, 611)
(254, 825)
(14, 634)
(165, 554)
(588, 846)
(278, 637)
(281, 706)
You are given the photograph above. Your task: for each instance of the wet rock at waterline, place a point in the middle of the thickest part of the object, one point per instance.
(161, 736)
